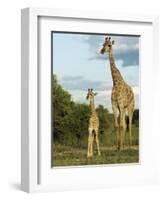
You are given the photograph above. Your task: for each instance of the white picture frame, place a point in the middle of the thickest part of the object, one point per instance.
(36, 171)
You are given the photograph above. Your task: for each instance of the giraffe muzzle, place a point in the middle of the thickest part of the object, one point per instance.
(102, 51)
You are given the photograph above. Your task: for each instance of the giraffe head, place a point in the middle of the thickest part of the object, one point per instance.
(107, 46)
(90, 94)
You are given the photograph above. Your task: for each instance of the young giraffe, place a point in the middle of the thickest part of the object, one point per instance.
(93, 125)
(122, 97)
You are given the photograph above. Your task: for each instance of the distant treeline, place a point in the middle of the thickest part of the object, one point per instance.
(70, 119)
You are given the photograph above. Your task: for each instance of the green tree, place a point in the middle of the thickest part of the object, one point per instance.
(104, 117)
(61, 101)
(71, 119)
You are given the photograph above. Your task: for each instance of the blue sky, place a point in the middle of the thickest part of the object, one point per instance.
(79, 65)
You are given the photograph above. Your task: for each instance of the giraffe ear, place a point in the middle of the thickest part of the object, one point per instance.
(113, 42)
(95, 93)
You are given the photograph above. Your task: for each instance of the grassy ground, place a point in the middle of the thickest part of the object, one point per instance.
(68, 155)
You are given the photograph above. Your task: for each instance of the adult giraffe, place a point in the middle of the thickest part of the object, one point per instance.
(122, 97)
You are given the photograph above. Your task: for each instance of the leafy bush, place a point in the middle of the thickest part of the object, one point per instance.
(70, 119)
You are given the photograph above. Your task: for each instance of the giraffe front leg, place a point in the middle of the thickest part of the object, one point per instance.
(91, 150)
(116, 126)
(97, 142)
(89, 143)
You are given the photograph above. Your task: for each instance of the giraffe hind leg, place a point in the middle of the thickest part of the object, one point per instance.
(90, 141)
(130, 115)
(97, 141)
(122, 127)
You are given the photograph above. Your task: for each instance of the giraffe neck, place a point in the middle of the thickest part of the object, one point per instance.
(116, 75)
(92, 107)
